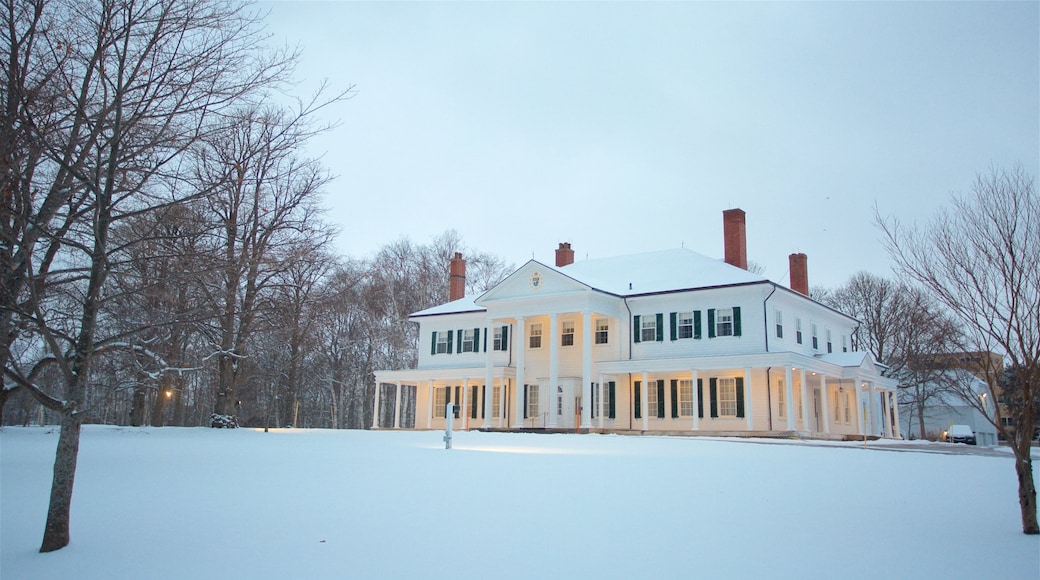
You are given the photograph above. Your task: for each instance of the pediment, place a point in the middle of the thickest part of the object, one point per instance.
(532, 280)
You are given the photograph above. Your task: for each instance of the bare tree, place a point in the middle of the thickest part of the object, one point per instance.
(980, 258)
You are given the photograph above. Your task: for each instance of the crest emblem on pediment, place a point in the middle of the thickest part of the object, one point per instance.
(535, 280)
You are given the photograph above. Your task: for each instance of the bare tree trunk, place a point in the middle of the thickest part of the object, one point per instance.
(56, 532)
(137, 406)
(1026, 486)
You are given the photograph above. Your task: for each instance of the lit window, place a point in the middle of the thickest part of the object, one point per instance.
(779, 324)
(535, 340)
(651, 399)
(728, 397)
(601, 400)
(602, 330)
(469, 340)
(685, 398)
(649, 329)
(532, 400)
(781, 402)
(798, 330)
(567, 335)
(684, 325)
(724, 322)
(848, 407)
(443, 342)
(496, 401)
(440, 401)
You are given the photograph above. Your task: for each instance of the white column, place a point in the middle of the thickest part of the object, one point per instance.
(789, 398)
(805, 401)
(696, 401)
(464, 411)
(868, 388)
(604, 391)
(429, 410)
(895, 414)
(518, 340)
(397, 407)
(489, 388)
(860, 415)
(823, 403)
(644, 402)
(375, 408)
(554, 370)
(747, 400)
(586, 370)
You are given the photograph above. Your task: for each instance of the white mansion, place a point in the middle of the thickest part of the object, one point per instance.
(668, 341)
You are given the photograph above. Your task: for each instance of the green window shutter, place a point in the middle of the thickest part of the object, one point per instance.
(459, 342)
(487, 331)
(483, 396)
(433, 343)
(700, 398)
(740, 396)
(675, 398)
(713, 386)
(672, 318)
(450, 341)
(711, 323)
(458, 399)
(595, 402)
(660, 327)
(637, 401)
(525, 401)
(637, 331)
(473, 406)
(476, 340)
(736, 321)
(505, 338)
(610, 402)
(660, 398)
(697, 324)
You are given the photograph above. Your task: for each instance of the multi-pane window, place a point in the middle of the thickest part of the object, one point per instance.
(727, 397)
(559, 402)
(684, 324)
(443, 342)
(648, 326)
(440, 401)
(651, 399)
(685, 398)
(779, 324)
(602, 330)
(496, 402)
(535, 340)
(798, 330)
(532, 400)
(838, 399)
(601, 400)
(724, 322)
(469, 340)
(829, 348)
(567, 333)
(781, 398)
(498, 343)
(848, 407)
(815, 337)
(844, 343)
(801, 407)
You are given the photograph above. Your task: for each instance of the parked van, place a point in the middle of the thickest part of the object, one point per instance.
(960, 434)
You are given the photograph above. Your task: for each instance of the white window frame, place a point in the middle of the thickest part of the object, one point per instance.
(651, 399)
(844, 343)
(686, 398)
(814, 330)
(602, 331)
(496, 401)
(648, 328)
(798, 329)
(440, 401)
(532, 401)
(443, 341)
(723, 322)
(781, 399)
(567, 333)
(779, 318)
(727, 393)
(469, 340)
(830, 345)
(534, 340)
(601, 400)
(497, 344)
(684, 325)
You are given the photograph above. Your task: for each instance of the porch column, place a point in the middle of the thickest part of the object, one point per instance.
(644, 398)
(375, 408)
(604, 392)
(861, 413)
(464, 412)
(805, 401)
(397, 407)
(895, 415)
(869, 389)
(696, 401)
(747, 400)
(789, 398)
(518, 338)
(586, 370)
(823, 403)
(429, 410)
(554, 370)
(489, 388)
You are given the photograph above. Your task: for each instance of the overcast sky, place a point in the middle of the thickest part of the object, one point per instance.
(630, 127)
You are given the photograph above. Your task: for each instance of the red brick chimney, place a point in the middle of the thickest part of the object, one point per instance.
(799, 273)
(564, 254)
(733, 232)
(457, 278)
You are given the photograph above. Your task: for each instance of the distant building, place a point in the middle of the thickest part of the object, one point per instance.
(661, 342)
(968, 370)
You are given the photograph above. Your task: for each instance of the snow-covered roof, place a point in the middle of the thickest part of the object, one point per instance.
(633, 275)
(654, 272)
(844, 359)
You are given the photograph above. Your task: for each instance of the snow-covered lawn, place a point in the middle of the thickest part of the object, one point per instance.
(206, 503)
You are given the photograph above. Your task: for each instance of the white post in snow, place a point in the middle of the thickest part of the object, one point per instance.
(449, 414)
